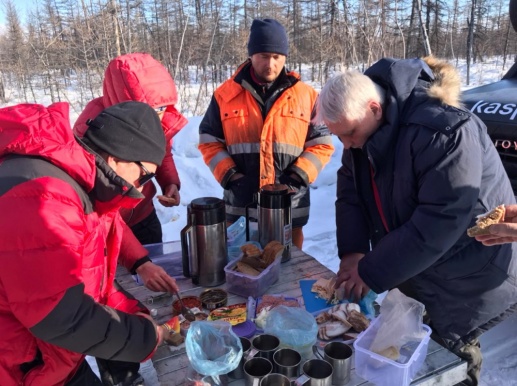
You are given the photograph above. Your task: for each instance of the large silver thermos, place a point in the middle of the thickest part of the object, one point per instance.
(274, 217)
(203, 242)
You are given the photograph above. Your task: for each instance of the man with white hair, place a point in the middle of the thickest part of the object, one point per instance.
(417, 169)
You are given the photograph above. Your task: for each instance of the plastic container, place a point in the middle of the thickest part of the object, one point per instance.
(383, 371)
(246, 285)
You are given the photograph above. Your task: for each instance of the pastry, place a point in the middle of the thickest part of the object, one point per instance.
(484, 221)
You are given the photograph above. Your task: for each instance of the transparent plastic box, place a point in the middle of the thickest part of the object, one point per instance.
(386, 372)
(246, 285)
(166, 255)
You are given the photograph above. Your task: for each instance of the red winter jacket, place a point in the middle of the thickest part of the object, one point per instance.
(140, 77)
(59, 245)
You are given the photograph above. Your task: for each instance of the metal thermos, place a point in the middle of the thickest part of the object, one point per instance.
(274, 217)
(203, 242)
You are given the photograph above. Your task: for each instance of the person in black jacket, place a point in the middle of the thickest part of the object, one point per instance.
(416, 170)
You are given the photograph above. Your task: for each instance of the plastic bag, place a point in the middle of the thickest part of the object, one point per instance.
(295, 327)
(236, 233)
(213, 348)
(366, 304)
(401, 319)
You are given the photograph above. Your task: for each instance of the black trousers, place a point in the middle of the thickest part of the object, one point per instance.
(84, 377)
(149, 230)
(115, 373)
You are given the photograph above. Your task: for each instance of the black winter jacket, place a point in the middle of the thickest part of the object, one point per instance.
(436, 170)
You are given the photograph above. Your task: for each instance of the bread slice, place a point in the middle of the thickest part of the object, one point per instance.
(483, 222)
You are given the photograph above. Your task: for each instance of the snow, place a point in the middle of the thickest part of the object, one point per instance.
(500, 356)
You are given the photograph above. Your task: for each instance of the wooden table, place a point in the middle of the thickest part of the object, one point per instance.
(441, 367)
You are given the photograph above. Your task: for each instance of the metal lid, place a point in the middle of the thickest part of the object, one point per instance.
(274, 189)
(213, 298)
(207, 203)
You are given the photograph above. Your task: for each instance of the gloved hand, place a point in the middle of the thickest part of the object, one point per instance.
(292, 181)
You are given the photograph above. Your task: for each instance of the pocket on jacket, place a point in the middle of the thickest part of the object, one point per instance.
(296, 111)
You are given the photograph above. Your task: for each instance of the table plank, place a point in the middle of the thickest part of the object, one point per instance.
(441, 367)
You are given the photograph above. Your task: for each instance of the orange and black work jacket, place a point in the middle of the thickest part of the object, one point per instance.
(263, 139)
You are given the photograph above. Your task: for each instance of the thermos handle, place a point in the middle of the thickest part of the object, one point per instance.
(185, 248)
(247, 207)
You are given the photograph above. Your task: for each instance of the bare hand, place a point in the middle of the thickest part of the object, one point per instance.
(171, 196)
(348, 277)
(161, 332)
(156, 279)
(502, 233)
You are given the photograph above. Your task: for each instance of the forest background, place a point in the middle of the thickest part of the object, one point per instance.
(53, 45)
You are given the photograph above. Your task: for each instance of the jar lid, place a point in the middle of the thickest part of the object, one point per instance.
(207, 203)
(275, 189)
(245, 329)
(213, 298)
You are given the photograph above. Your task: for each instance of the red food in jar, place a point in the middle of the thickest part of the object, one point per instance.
(188, 301)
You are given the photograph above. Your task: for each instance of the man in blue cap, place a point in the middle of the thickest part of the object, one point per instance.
(258, 131)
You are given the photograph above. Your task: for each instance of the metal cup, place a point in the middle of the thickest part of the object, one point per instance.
(339, 355)
(255, 369)
(316, 372)
(264, 346)
(287, 361)
(238, 373)
(275, 379)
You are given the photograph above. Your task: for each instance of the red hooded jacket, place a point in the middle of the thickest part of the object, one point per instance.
(60, 233)
(140, 77)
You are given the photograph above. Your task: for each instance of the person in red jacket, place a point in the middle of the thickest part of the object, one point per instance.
(60, 237)
(140, 77)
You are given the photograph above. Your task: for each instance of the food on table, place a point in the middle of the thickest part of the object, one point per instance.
(391, 352)
(339, 312)
(251, 250)
(267, 302)
(358, 321)
(272, 301)
(272, 250)
(254, 261)
(324, 289)
(188, 301)
(484, 221)
(332, 330)
(338, 320)
(173, 338)
(233, 314)
(213, 298)
(185, 324)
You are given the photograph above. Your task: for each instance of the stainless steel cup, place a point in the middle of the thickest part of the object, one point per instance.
(255, 369)
(339, 355)
(275, 379)
(264, 346)
(238, 373)
(287, 361)
(316, 372)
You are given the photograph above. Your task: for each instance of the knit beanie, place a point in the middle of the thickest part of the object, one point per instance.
(267, 35)
(131, 131)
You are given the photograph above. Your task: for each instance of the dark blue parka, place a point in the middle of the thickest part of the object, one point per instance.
(436, 170)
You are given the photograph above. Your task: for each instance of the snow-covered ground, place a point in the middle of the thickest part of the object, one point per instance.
(499, 344)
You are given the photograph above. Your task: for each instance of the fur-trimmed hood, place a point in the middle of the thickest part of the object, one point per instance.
(447, 82)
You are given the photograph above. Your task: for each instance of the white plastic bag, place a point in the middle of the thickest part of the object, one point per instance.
(401, 319)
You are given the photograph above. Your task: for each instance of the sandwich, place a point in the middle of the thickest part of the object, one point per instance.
(484, 221)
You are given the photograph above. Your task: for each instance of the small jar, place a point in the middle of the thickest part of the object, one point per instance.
(189, 301)
(213, 298)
